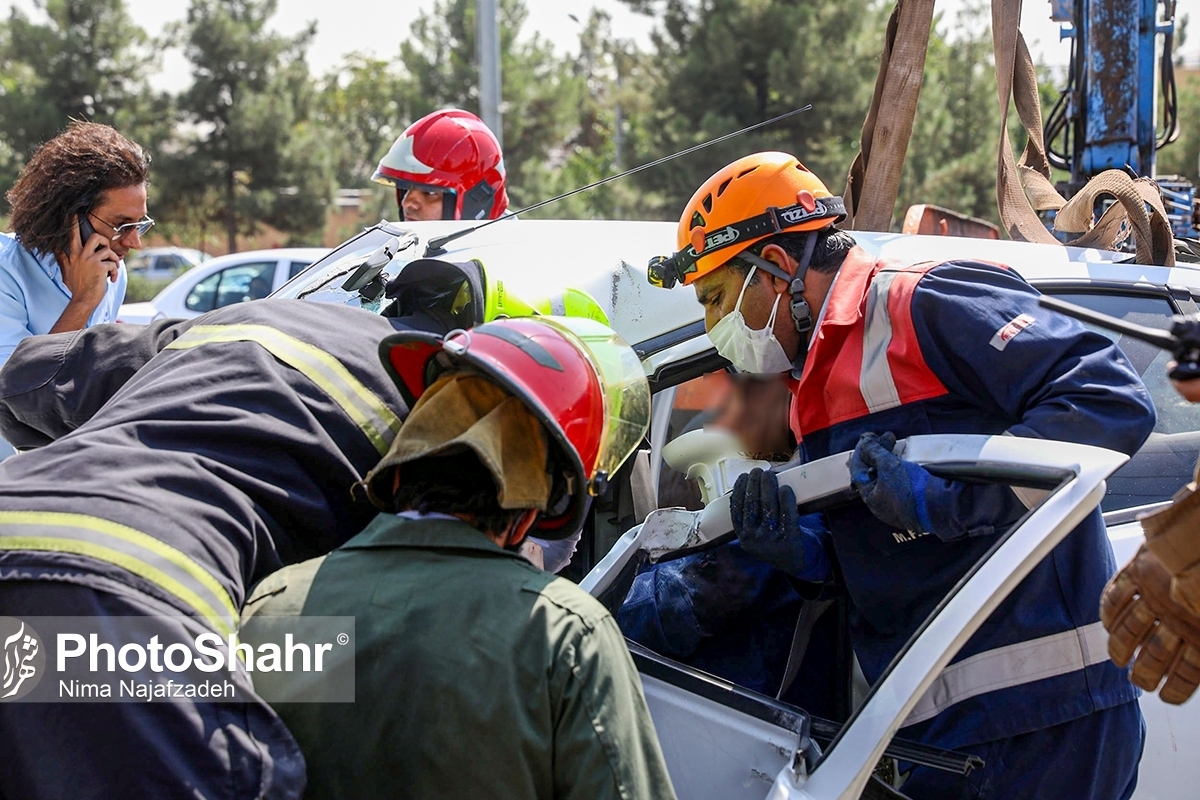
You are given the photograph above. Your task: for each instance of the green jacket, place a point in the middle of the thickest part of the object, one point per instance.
(476, 675)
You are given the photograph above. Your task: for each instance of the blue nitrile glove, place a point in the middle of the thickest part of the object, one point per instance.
(770, 528)
(892, 488)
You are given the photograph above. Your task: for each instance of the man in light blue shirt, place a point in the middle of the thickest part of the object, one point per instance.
(78, 208)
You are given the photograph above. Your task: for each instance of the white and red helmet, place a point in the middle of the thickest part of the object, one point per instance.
(453, 152)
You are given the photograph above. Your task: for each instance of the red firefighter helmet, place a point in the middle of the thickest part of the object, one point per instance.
(581, 380)
(452, 152)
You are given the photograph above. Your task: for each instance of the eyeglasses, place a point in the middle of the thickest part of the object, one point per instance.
(142, 226)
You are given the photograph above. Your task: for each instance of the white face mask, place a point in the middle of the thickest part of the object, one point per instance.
(757, 352)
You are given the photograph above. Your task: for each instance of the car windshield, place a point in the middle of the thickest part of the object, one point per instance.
(326, 281)
(1167, 459)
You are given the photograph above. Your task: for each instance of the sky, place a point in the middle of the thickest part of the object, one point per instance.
(377, 26)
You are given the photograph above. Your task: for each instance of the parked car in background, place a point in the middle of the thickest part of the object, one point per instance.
(223, 281)
(163, 263)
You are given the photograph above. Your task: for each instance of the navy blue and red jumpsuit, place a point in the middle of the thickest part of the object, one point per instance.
(964, 347)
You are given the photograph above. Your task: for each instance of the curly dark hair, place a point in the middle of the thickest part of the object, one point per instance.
(67, 175)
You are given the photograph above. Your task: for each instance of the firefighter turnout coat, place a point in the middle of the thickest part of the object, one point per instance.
(203, 454)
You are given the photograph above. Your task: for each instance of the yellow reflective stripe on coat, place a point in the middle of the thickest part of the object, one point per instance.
(163, 565)
(378, 422)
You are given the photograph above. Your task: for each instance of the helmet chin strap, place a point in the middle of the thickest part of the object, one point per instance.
(801, 313)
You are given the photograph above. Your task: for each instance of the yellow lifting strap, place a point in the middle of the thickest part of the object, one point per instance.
(166, 567)
(373, 417)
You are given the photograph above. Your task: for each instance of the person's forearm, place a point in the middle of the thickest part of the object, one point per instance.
(40, 390)
(74, 317)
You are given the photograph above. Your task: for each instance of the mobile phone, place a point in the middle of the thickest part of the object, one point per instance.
(86, 230)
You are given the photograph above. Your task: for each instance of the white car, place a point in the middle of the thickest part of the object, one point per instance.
(724, 741)
(163, 263)
(223, 281)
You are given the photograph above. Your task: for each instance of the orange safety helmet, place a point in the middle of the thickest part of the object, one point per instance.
(452, 152)
(579, 378)
(745, 202)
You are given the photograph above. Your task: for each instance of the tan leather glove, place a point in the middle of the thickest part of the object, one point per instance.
(1173, 535)
(1141, 618)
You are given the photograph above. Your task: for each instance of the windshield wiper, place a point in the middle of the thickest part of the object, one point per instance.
(369, 269)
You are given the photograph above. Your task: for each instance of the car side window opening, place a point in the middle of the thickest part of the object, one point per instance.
(232, 285)
(172, 263)
(1167, 459)
(711, 402)
(138, 262)
(296, 267)
(203, 294)
(697, 403)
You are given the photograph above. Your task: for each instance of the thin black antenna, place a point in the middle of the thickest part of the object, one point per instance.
(437, 245)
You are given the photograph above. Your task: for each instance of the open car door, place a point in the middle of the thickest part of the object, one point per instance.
(721, 741)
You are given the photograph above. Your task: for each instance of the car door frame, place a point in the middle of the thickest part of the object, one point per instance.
(1181, 301)
(1077, 473)
(282, 266)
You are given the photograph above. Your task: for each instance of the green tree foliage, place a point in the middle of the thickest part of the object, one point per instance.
(611, 78)
(369, 101)
(1181, 157)
(75, 59)
(726, 64)
(257, 140)
(365, 100)
(246, 155)
(364, 103)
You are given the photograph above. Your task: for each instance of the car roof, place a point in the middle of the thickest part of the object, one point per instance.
(154, 251)
(608, 259)
(273, 254)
